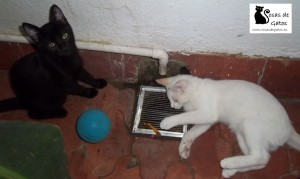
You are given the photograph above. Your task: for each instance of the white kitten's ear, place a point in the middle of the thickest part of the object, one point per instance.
(56, 15)
(163, 81)
(180, 86)
(32, 31)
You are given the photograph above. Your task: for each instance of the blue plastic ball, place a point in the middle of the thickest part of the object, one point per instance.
(93, 126)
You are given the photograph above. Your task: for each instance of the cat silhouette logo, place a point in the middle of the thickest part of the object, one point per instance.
(259, 18)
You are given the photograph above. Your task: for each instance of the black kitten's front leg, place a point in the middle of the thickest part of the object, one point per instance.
(83, 91)
(87, 78)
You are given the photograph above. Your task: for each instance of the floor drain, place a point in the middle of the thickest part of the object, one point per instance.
(152, 107)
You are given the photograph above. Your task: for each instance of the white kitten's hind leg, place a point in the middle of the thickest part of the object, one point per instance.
(235, 164)
(244, 161)
(242, 143)
(189, 137)
(227, 173)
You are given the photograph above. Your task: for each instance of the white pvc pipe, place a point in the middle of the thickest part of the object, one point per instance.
(161, 55)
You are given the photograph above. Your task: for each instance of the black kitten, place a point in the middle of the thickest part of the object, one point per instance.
(259, 18)
(42, 80)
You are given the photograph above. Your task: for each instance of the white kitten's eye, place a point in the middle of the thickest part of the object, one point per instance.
(51, 44)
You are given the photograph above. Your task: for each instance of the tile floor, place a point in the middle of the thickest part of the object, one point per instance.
(125, 156)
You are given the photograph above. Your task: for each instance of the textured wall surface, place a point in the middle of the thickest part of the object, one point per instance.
(179, 26)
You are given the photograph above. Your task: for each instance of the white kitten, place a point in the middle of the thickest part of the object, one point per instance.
(259, 121)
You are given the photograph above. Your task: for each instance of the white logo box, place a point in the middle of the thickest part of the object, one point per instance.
(279, 18)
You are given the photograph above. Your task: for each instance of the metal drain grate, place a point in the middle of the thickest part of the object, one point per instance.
(152, 107)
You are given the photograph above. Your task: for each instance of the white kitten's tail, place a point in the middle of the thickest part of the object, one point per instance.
(294, 140)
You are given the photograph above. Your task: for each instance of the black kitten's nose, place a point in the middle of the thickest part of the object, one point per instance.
(66, 50)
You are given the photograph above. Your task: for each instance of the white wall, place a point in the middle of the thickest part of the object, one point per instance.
(220, 26)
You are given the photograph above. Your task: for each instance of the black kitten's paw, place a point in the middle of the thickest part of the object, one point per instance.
(91, 92)
(100, 83)
(60, 113)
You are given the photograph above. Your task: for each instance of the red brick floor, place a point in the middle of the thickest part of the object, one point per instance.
(125, 156)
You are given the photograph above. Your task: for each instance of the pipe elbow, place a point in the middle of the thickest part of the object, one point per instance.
(163, 58)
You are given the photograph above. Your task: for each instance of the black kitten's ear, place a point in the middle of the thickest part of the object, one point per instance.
(32, 31)
(56, 15)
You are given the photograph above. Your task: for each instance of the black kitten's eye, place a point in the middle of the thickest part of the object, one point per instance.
(65, 36)
(51, 44)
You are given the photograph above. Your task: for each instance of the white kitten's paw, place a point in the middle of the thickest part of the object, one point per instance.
(184, 150)
(166, 124)
(226, 163)
(227, 173)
